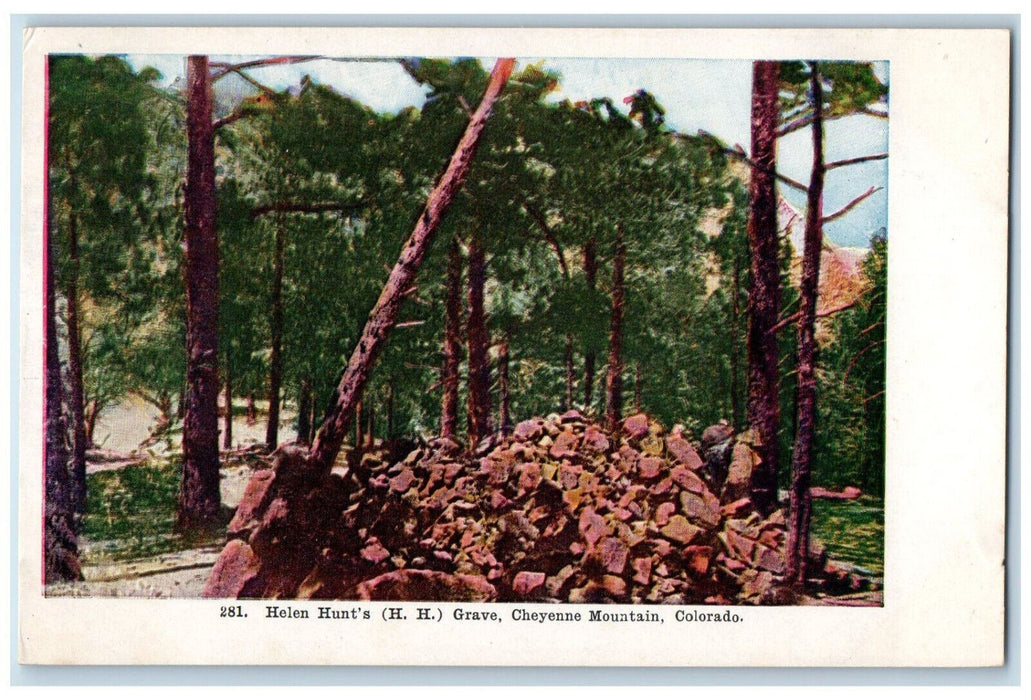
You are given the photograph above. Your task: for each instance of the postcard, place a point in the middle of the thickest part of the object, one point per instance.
(509, 347)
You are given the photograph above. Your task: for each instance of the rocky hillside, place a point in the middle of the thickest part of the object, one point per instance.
(559, 511)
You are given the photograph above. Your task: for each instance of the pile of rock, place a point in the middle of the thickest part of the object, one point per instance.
(560, 511)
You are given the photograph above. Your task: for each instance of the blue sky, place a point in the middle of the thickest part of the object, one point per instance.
(713, 95)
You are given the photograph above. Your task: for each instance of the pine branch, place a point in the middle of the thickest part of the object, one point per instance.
(853, 161)
(819, 314)
(228, 68)
(849, 207)
(549, 236)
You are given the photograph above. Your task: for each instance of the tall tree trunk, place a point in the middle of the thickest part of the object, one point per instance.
(199, 497)
(614, 395)
(570, 374)
(452, 341)
(504, 418)
(736, 415)
(304, 404)
(76, 399)
(591, 273)
(384, 313)
(252, 413)
(227, 435)
(60, 541)
(479, 343)
(764, 295)
(275, 370)
(805, 434)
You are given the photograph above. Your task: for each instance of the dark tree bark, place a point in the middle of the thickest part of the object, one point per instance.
(199, 497)
(359, 428)
(92, 412)
(479, 343)
(614, 394)
(304, 404)
(805, 432)
(390, 410)
(60, 540)
(227, 423)
(736, 413)
(764, 296)
(384, 313)
(591, 273)
(275, 370)
(504, 419)
(76, 400)
(252, 413)
(452, 342)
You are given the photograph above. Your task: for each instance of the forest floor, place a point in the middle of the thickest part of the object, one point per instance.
(128, 549)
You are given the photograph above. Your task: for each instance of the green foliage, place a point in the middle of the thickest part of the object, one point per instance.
(852, 531)
(131, 512)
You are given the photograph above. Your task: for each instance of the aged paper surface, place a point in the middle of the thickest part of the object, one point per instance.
(944, 512)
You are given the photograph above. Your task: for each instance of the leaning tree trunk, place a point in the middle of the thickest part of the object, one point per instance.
(479, 343)
(591, 273)
(452, 342)
(614, 395)
(60, 541)
(76, 398)
(384, 313)
(805, 433)
(275, 371)
(199, 497)
(764, 296)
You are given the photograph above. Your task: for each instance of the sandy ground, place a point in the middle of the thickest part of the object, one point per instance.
(121, 429)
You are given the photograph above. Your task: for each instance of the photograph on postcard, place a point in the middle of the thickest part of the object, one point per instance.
(513, 347)
(463, 329)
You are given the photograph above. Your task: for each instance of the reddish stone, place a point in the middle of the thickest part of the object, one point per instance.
(571, 416)
(592, 526)
(683, 452)
(614, 586)
(662, 487)
(769, 559)
(236, 567)
(529, 475)
(688, 479)
(252, 502)
(636, 426)
(698, 510)
(569, 475)
(594, 440)
(697, 558)
(403, 481)
(680, 530)
(566, 444)
(643, 570)
(374, 551)
(662, 513)
(737, 508)
(649, 467)
(613, 555)
(526, 582)
(528, 430)
(498, 500)
(741, 546)
(418, 585)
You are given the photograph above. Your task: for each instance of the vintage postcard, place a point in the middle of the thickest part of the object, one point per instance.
(513, 347)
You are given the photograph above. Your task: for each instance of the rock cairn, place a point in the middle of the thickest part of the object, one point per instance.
(559, 511)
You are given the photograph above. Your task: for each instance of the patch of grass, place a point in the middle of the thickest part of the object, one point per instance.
(130, 512)
(852, 531)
